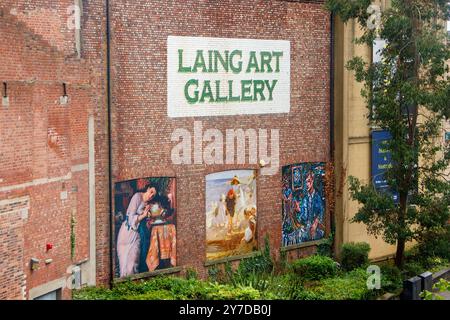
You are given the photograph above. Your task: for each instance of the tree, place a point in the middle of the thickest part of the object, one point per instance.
(408, 95)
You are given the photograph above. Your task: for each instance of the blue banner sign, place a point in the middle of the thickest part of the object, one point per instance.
(381, 161)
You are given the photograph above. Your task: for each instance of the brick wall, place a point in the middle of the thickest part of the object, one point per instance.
(46, 18)
(94, 52)
(43, 145)
(141, 129)
(12, 278)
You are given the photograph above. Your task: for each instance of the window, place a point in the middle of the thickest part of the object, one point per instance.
(52, 295)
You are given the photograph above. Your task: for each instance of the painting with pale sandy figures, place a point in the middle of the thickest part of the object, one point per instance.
(231, 214)
(145, 225)
(303, 203)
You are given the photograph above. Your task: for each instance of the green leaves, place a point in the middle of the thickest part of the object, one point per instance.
(441, 286)
(168, 288)
(349, 9)
(354, 255)
(378, 210)
(314, 267)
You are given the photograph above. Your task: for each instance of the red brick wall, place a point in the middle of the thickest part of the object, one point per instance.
(37, 56)
(94, 52)
(12, 277)
(44, 145)
(46, 18)
(142, 130)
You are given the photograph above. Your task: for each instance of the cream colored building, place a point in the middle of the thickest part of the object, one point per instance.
(352, 137)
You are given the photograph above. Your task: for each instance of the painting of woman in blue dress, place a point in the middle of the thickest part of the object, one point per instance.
(144, 208)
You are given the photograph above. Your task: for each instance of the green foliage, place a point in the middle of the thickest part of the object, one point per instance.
(420, 258)
(312, 278)
(259, 264)
(191, 273)
(412, 268)
(435, 264)
(350, 9)
(435, 244)
(354, 255)
(152, 295)
(216, 274)
(229, 273)
(280, 287)
(168, 288)
(302, 294)
(224, 292)
(255, 272)
(442, 286)
(93, 293)
(352, 286)
(325, 248)
(282, 264)
(391, 278)
(244, 283)
(314, 267)
(377, 211)
(72, 236)
(412, 253)
(288, 286)
(406, 94)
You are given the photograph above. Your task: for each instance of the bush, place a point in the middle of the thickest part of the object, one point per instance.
(168, 288)
(258, 264)
(254, 272)
(325, 248)
(216, 274)
(411, 269)
(435, 264)
(391, 278)
(92, 293)
(412, 254)
(224, 292)
(314, 267)
(261, 264)
(354, 255)
(153, 295)
(435, 244)
(302, 294)
(191, 273)
(352, 286)
(279, 287)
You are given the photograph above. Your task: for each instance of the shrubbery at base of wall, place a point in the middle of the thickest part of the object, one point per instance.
(354, 255)
(314, 267)
(351, 286)
(168, 288)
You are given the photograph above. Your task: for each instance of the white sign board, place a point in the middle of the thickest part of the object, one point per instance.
(218, 76)
(378, 46)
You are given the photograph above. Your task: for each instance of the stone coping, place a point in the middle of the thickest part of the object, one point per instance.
(441, 274)
(148, 274)
(232, 258)
(302, 245)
